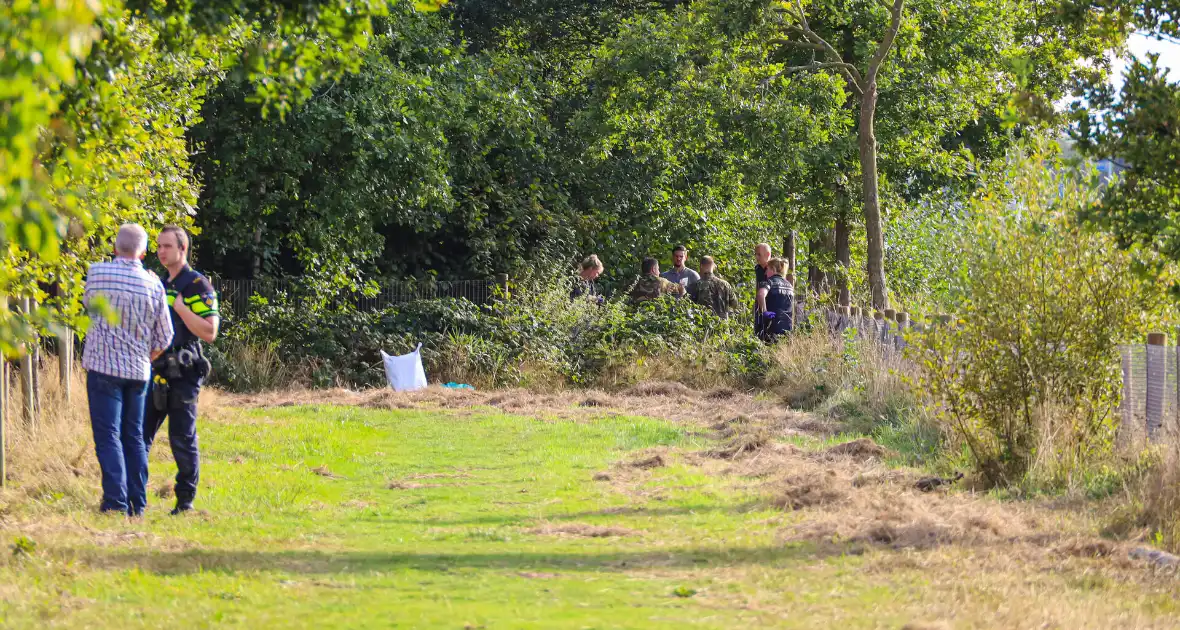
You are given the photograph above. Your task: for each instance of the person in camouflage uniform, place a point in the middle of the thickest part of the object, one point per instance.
(650, 286)
(713, 291)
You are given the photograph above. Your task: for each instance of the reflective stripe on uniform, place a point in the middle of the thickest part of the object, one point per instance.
(203, 306)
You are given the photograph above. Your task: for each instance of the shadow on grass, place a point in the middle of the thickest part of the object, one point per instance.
(321, 563)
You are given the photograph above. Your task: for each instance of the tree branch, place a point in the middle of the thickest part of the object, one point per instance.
(849, 71)
(797, 44)
(802, 16)
(824, 65)
(886, 44)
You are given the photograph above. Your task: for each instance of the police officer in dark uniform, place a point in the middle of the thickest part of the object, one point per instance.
(178, 373)
(761, 260)
(776, 297)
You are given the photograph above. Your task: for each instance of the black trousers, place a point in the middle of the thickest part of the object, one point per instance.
(770, 329)
(181, 415)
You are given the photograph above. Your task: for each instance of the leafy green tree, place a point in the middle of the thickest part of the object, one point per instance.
(1138, 129)
(426, 160)
(43, 44)
(924, 72)
(559, 29)
(1043, 305)
(678, 135)
(432, 160)
(59, 178)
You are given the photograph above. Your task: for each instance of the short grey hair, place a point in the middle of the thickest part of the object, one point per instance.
(131, 240)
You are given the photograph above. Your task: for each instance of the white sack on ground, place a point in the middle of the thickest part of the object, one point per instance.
(405, 372)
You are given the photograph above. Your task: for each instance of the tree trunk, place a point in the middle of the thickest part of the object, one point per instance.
(843, 259)
(815, 275)
(789, 251)
(867, 140)
(256, 268)
(819, 250)
(256, 263)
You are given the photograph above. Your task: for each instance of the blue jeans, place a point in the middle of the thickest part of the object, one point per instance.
(116, 417)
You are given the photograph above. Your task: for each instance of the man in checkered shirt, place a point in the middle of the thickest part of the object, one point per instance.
(118, 357)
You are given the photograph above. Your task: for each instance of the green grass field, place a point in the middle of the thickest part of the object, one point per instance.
(335, 517)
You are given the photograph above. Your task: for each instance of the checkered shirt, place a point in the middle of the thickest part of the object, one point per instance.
(123, 347)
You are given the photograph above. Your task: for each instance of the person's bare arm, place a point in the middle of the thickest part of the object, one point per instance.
(205, 328)
(761, 299)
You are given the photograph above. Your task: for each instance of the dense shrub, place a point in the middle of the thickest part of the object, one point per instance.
(1028, 379)
(535, 333)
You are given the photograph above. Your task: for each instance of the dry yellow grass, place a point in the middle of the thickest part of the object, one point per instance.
(668, 400)
(57, 454)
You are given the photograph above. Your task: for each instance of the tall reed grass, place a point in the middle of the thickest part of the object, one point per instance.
(53, 460)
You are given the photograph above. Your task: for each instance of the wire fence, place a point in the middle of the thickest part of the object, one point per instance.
(1150, 403)
(235, 294)
(888, 327)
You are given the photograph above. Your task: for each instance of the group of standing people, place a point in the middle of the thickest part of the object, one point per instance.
(774, 298)
(145, 364)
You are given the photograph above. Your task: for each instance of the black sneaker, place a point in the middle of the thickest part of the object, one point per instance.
(181, 508)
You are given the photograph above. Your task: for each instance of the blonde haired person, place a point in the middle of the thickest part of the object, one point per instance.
(776, 299)
(761, 259)
(584, 286)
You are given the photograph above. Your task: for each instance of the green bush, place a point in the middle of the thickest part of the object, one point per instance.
(535, 332)
(1028, 378)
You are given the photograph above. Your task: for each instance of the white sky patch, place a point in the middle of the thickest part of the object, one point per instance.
(1139, 45)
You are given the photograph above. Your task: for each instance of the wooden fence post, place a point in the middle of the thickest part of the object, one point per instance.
(887, 326)
(65, 362)
(27, 379)
(845, 319)
(1157, 376)
(903, 322)
(1175, 419)
(3, 419)
(502, 282)
(3, 403)
(789, 251)
(35, 358)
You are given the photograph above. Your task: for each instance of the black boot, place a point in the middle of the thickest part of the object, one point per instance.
(183, 504)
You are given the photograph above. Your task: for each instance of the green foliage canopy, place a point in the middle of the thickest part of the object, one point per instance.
(96, 99)
(426, 158)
